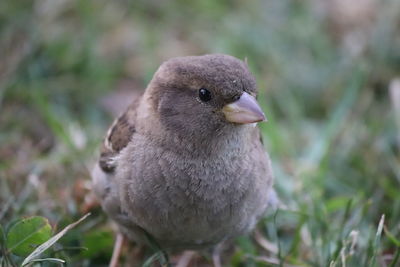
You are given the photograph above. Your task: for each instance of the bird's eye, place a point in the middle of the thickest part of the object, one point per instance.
(204, 95)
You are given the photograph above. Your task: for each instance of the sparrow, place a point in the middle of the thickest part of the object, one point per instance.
(185, 163)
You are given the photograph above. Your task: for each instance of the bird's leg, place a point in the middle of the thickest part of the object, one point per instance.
(216, 255)
(117, 250)
(185, 258)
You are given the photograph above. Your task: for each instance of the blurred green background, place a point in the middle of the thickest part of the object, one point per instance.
(328, 74)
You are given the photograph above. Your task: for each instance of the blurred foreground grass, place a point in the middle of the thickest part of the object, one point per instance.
(324, 69)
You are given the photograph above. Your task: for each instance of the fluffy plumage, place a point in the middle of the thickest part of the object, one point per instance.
(182, 169)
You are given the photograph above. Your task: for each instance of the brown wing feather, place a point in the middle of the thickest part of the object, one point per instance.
(118, 137)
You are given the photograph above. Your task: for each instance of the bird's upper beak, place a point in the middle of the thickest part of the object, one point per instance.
(244, 110)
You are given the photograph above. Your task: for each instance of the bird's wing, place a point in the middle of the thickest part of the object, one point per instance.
(103, 174)
(118, 136)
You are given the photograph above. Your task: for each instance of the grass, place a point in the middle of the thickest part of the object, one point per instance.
(332, 132)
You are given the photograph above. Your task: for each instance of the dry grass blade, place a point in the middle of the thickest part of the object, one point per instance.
(40, 249)
(264, 243)
(377, 240)
(394, 91)
(185, 259)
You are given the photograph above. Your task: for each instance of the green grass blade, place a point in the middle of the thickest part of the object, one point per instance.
(377, 241)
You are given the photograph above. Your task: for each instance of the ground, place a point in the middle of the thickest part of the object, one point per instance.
(328, 75)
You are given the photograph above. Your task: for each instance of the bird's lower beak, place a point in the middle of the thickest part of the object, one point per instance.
(244, 110)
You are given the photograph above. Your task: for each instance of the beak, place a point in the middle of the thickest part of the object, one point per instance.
(244, 110)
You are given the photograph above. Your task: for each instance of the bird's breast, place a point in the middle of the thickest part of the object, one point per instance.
(164, 190)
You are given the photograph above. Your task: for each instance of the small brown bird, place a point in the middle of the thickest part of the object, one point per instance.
(185, 163)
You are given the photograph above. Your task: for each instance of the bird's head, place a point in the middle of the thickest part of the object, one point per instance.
(198, 95)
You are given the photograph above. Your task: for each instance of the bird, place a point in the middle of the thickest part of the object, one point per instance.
(185, 165)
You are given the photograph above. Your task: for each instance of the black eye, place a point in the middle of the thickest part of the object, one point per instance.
(204, 95)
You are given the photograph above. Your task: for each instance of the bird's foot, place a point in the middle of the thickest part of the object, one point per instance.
(117, 250)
